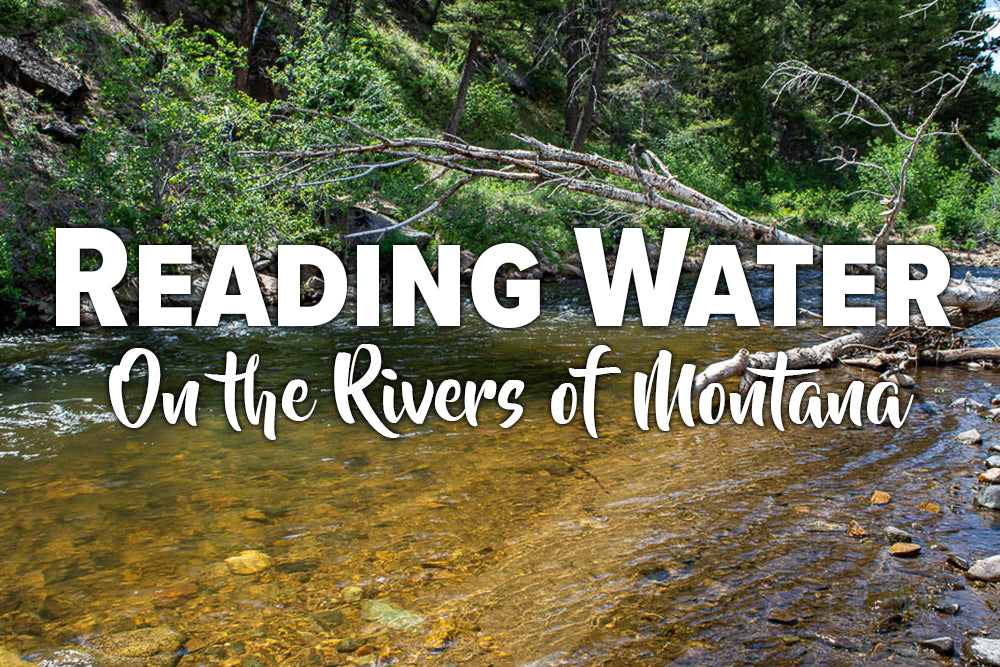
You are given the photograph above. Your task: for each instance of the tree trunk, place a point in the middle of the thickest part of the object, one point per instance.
(435, 10)
(573, 55)
(595, 80)
(458, 109)
(246, 42)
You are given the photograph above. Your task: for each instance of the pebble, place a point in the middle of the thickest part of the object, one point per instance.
(993, 462)
(904, 549)
(970, 437)
(958, 562)
(880, 498)
(856, 530)
(987, 569)
(897, 535)
(329, 619)
(948, 608)
(984, 649)
(932, 508)
(993, 449)
(989, 497)
(968, 404)
(351, 644)
(940, 645)
(248, 562)
(352, 593)
(254, 514)
(991, 476)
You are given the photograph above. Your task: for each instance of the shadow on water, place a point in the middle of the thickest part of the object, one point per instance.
(534, 545)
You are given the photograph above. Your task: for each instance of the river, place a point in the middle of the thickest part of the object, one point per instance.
(535, 545)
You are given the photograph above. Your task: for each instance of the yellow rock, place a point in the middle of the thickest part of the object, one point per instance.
(248, 562)
(904, 549)
(880, 498)
(445, 630)
(856, 530)
(933, 508)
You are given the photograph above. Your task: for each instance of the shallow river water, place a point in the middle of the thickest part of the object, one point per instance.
(457, 545)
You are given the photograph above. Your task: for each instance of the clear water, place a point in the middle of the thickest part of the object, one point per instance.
(534, 545)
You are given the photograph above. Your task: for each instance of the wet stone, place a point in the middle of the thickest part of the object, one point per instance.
(894, 534)
(352, 593)
(391, 616)
(983, 649)
(880, 498)
(993, 462)
(940, 645)
(904, 549)
(989, 497)
(948, 608)
(329, 619)
(970, 437)
(825, 527)
(991, 476)
(987, 569)
(174, 596)
(351, 644)
(782, 617)
(891, 623)
(248, 562)
(958, 562)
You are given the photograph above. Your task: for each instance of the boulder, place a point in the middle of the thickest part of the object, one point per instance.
(29, 67)
(989, 497)
(984, 650)
(987, 569)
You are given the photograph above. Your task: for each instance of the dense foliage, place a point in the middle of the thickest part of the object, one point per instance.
(175, 137)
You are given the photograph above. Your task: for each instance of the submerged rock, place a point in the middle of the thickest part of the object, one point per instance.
(825, 527)
(958, 562)
(984, 649)
(989, 497)
(352, 593)
(146, 646)
(970, 437)
(940, 645)
(987, 569)
(391, 616)
(248, 562)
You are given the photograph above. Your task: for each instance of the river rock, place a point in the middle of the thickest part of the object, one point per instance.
(880, 498)
(987, 569)
(904, 549)
(967, 404)
(958, 562)
(894, 535)
(989, 497)
(856, 530)
(984, 649)
(391, 616)
(70, 657)
(329, 619)
(940, 645)
(351, 593)
(991, 476)
(825, 527)
(145, 647)
(248, 562)
(970, 437)
(351, 644)
(993, 462)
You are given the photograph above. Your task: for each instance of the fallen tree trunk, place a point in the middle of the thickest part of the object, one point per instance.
(967, 302)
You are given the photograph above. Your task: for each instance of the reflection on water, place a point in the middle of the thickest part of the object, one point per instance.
(534, 545)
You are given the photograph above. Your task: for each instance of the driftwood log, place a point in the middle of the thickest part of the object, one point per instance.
(645, 182)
